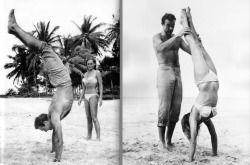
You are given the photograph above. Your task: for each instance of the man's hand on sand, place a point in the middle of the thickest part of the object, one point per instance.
(185, 30)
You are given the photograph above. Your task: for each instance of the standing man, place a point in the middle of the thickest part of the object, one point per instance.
(62, 100)
(169, 85)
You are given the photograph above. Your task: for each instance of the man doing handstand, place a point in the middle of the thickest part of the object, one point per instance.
(59, 77)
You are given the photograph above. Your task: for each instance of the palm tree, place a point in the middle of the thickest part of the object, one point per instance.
(110, 71)
(111, 65)
(75, 60)
(42, 33)
(19, 63)
(113, 36)
(90, 38)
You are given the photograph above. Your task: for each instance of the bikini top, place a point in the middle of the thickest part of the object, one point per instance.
(211, 76)
(90, 81)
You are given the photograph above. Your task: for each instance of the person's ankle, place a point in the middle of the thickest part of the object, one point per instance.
(162, 143)
(12, 27)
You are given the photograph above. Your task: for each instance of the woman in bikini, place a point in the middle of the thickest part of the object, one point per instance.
(206, 79)
(92, 78)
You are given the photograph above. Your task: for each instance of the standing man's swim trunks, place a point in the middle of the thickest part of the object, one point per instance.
(169, 88)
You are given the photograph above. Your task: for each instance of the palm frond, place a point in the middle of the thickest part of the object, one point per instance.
(53, 31)
(54, 39)
(89, 19)
(11, 57)
(77, 25)
(87, 23)
(38, 32)
(13, 72)
(47, 27)
(96, 27)
(9, 65)
(17, 77)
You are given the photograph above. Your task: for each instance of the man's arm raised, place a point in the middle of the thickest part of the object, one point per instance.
(159, 45)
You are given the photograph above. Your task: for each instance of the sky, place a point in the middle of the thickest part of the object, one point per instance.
(59, 12)
(222, 25)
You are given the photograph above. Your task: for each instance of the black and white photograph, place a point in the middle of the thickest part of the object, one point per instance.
(124, 82)
(185, 82)
(60, 82)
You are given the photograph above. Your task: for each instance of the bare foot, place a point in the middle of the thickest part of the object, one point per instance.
(170, 145)
(98, 139)
(215, 154)
(162, 147)
(190, 22)
(189, 18)
(88, 138)
(57, 160)
(184, 20)
(188, 13)
(12, 22)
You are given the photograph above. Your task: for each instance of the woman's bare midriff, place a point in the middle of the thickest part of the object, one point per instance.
(90, 90)
(208, 95)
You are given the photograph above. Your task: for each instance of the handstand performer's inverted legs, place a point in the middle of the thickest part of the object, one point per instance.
(207, 82)
(26, 38)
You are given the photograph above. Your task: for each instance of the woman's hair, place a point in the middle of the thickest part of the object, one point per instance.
(94, 61)
(186, 126)
(40, 119)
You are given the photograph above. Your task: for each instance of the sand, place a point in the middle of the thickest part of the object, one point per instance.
(140, 135)
(22, 144)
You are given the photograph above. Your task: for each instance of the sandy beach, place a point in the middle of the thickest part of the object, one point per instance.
(140, 135)
(22, 144)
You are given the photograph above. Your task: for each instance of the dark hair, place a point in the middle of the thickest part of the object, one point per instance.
(167, 16)
(40, 119)
(94, 61)
(186, 127)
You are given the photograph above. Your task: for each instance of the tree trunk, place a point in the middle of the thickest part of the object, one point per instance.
(111, 83)
(35, 80)
(46, 86)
